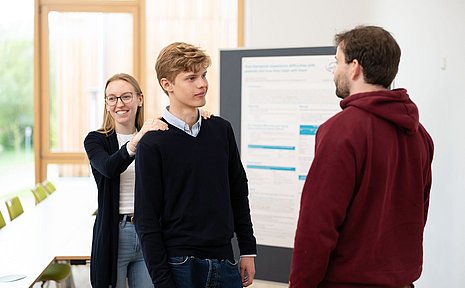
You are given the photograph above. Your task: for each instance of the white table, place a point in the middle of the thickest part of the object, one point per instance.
(58, 228)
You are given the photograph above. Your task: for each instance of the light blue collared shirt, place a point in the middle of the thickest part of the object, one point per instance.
(178, 123)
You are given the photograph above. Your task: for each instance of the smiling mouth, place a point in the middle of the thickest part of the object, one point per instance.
(121, 112)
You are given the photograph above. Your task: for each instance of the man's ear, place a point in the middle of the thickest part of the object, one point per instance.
(166, 85)
(357, 69)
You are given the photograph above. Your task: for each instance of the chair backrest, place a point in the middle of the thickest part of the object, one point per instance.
(14, 207)
(49, 186)
(40, 193)
(2, 221)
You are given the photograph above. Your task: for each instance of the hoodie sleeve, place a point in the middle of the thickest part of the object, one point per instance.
(326, 195)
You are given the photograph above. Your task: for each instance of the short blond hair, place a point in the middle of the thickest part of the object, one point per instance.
(180, 57)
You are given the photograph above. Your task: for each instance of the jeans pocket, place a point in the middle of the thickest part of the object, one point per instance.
(229, 262)
(177, 260)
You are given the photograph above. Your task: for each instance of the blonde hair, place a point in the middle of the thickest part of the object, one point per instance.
(108, 126)
(180, 57)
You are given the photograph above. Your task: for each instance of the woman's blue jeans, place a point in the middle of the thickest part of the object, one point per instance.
(131, 263)
(191, 272)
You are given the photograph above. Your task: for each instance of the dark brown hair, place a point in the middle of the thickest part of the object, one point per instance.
(375, 49)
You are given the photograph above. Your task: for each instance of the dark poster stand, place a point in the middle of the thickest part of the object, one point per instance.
(272, 263)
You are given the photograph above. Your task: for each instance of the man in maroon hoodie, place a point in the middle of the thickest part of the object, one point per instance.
(365, 200)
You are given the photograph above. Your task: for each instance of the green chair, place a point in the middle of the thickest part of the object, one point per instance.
(55, 272)
(49, 186)
(2, 221)
(40, 193)
(14, 207)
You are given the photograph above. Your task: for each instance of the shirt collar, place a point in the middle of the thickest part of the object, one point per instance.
(178, 123)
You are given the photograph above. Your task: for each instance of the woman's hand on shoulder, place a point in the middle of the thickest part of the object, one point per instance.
(149, 125)
(205, 114)
(153, 125)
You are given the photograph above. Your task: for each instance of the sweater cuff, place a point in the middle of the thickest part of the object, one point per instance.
(131, 154)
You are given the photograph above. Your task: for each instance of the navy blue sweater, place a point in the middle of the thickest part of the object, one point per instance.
(191, 196)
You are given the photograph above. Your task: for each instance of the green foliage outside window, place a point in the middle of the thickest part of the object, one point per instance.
(16, 94)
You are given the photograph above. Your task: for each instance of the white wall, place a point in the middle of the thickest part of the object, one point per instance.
(432, 37)
(298, 23)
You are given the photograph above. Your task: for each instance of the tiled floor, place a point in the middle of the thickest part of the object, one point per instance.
(267, 284)
(81, 279)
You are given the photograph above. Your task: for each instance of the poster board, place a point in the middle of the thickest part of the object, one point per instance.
(275, 100)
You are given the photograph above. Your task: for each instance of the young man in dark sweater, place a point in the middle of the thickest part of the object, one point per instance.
(191, 192)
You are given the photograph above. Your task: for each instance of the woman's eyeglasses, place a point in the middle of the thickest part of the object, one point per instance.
(126, 98)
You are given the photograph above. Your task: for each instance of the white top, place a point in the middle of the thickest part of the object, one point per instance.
(127, 181)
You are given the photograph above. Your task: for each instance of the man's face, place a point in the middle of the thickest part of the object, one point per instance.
(341, 75)
(188, 90)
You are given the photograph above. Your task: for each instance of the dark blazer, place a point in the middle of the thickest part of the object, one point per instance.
(107, 162)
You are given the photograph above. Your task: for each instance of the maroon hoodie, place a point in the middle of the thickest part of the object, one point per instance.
(365, 200)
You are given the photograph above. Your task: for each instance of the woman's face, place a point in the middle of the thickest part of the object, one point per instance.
(122, 102)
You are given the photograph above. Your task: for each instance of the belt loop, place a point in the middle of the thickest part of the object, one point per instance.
(123, 221)
(124, 218)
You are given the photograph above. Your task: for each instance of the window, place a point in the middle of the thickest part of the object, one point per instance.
(16, 99)
(83, 43)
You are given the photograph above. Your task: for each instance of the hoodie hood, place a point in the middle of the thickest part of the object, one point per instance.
(394, 106)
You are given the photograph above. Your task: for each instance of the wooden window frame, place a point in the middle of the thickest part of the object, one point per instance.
(43, 155)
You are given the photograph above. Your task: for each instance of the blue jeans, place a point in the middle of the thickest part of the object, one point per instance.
(191, 272)
(131, 263)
